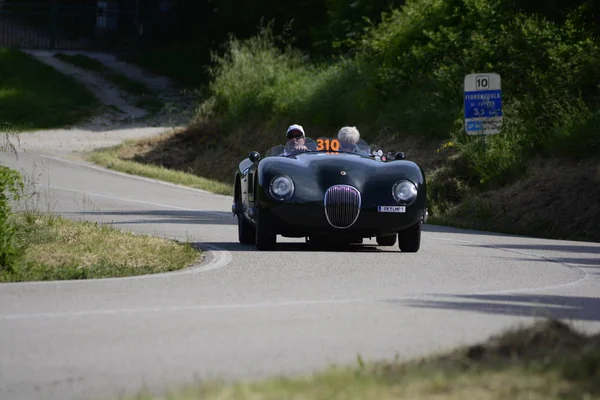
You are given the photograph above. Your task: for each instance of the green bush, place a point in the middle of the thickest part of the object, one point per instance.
(258, 78)
(250, 80)
(575, 130)
(11, 185)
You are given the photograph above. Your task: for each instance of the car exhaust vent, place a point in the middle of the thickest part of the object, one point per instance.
(342, 205)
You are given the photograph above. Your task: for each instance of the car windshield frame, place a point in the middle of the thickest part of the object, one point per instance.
(321, 145)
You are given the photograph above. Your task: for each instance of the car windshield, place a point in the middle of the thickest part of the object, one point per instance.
(331, 145)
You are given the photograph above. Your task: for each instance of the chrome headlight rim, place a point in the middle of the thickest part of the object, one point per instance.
(411, 186)
(288, 194)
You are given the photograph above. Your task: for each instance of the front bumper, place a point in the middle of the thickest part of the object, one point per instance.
(299, 220)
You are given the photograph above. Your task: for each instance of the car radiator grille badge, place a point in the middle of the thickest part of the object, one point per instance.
(342, 205)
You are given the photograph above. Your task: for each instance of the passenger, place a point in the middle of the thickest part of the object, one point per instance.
(349, 137)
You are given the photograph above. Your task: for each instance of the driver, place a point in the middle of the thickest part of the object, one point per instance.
(296, 139)
(349, 137)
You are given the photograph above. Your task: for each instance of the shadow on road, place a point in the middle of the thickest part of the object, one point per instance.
(558, 307)
(449, 229)
(169, 217)
(227, 217)
(592, 248)
(589, 255)
(571, 261)
(209, 217)
(303, 247)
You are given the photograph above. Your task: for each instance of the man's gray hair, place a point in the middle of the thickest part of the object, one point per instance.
(349, 134)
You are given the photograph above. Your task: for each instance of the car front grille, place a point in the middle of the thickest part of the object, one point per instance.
(342, 205)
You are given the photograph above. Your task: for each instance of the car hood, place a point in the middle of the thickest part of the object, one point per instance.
(314, 173)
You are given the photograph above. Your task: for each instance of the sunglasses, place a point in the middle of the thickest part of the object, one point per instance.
(295, 136)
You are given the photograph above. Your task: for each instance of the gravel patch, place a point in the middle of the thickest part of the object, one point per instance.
(120, 119)
(107, 93)
(67, 143)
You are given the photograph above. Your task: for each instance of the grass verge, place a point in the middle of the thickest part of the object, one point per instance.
(56, 248)
(546, 361)
(145, 96)
(35, 96)
(125, 158)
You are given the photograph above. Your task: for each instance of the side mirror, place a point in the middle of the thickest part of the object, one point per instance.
(254, 156)
(399, 156)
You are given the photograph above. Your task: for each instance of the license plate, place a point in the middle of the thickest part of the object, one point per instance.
(394, 209)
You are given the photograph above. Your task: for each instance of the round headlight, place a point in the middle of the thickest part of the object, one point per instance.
(405, 192)
(282, 187)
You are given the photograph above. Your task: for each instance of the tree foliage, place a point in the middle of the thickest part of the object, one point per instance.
(323, 26)
(314, 26)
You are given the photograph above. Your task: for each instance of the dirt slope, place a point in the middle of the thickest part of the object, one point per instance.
(120, 120)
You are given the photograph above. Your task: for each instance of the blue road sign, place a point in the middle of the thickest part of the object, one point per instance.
(483, 104)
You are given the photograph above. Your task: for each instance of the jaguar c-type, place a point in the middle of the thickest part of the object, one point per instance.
(324, 190)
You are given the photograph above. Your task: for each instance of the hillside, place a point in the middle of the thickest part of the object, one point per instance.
(402, 87)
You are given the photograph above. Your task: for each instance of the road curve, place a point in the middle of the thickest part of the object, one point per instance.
(248, 314)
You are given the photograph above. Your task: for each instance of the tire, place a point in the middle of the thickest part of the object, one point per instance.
(246, 231)
(266, 237)
(409, 239)
(386, 240)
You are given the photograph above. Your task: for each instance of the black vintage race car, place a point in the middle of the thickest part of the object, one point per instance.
(328, 191)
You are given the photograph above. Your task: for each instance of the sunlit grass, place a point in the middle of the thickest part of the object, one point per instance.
(57, 248)
(115, 158)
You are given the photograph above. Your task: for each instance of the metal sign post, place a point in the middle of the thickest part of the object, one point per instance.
(483, 104)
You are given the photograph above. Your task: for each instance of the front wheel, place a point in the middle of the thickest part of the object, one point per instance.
(266, 237)
(246, 231)
(409, 239)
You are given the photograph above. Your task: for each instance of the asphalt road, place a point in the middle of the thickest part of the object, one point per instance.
(249, 314)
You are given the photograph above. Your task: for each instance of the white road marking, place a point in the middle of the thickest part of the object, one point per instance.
(270, 304)
(148, 203)
(185, 308)
(584, 272)
(137, 177)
